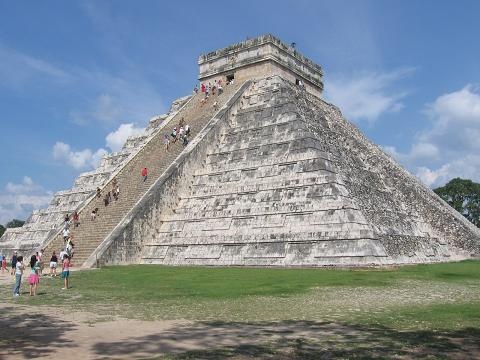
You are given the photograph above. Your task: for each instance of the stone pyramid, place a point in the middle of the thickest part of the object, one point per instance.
(279, 178)
(272, 176)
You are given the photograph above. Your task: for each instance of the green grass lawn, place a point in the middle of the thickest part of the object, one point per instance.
(423, 296)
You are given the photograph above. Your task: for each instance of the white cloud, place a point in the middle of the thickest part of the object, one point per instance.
(368, 95)
(82, 159)
(449, 147)
(18, 200)
(90, 159)
(117, 138)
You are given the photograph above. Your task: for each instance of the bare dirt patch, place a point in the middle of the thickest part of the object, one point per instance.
(28, 332)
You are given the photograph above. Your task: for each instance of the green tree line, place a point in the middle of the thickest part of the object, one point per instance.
(464, 196)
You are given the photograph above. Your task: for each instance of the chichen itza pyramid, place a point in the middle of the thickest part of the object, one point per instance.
(273, 176)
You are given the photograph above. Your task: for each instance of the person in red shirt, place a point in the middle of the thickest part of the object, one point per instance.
(144, 174)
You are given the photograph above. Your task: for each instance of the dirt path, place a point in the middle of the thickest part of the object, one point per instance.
(28, 332)
(31, 332)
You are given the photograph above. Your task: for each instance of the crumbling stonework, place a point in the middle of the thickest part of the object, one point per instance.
(272, 176)
(281, 179)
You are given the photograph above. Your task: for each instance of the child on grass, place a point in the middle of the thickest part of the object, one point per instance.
(34, 278)
(65, 270)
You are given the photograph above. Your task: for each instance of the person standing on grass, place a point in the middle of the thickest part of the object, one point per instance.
(14, 262)
(144, 174)
(19, 267)
(65, 270)
(53, 265)
(34, 278)
(39, 261)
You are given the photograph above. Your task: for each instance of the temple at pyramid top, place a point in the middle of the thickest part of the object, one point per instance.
(259, 57)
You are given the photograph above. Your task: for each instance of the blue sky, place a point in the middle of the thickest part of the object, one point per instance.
(78, 77)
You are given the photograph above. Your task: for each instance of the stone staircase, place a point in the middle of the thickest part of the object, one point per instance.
(89, 234)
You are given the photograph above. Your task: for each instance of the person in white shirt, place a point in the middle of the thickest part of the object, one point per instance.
(66, 234)
(19, 267)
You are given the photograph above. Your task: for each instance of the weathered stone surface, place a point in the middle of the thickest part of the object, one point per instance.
(272, 176)
(284, 180)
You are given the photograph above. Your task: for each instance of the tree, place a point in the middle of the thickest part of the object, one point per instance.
(15, 223)
(464, 196)
(2, 230)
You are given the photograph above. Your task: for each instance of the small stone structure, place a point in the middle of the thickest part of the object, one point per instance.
(275, 177)
(258, 58)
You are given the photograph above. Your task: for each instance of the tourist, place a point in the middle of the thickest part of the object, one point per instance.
(301, 85)
(65, 270)
(19, 267)
(106, 199)
(195, 89)
(144, 174)
(4, 264)
(203, 89)
(53, 265)
(215, 105)
(187, 130)
(75, 219)
(174, 134)
(67, 221)
(14, 262)
(220, 88)
(93, 215)
(99, 193)
(116, 192)
(40, 263)
(63, 252)
(66, 234)
(166, 141)
(185, 140)
(207, 91)
(69, 248)
(34, 278)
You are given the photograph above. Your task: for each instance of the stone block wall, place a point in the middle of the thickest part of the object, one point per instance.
(281, 179)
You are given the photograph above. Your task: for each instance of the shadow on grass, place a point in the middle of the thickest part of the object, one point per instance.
(32, 335)
(294, 340)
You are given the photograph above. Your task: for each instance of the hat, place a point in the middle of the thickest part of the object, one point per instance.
(15, 252)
